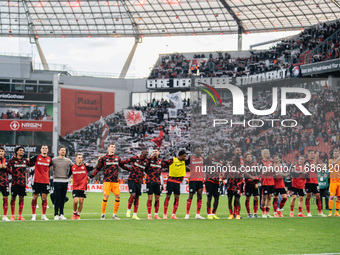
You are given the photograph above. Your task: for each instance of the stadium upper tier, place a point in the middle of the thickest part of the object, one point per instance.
(317, 43)
(140, 18)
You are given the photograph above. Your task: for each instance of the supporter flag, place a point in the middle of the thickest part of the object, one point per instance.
(105, 131)
(133, 117)
(176, 99)
(172, 113)
(178, 131)
(158, 140)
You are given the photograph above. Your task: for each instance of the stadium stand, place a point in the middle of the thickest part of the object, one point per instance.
(318, 43)
(318, 131)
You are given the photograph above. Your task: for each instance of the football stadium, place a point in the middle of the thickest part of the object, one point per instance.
(228, 149)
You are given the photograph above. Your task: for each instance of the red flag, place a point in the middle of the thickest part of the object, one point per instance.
(158, 140)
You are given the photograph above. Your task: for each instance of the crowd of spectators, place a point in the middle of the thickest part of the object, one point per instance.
(283, 55)
(319, 131)
(35, 114)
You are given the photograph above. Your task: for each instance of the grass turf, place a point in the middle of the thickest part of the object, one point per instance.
(93, 236)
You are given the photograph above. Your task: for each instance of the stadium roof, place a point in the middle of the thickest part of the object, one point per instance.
(139, 18)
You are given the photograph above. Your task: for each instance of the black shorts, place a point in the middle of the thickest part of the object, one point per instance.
(18, 190)
(173, 187)
(235, 193)
(79, 193)
(135, 187)
(288, 185)
(296, 191)
(194, 186)
(153, 188)
(267, 190)
(279, 191)
(251, 190)
(312, 188)
(4, 190)
(212, 189)
(39, 188)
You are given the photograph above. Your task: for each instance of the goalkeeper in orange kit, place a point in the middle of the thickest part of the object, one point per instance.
(110, 165)
(334, 186)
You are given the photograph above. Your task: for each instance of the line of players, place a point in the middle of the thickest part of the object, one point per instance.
(270, 183)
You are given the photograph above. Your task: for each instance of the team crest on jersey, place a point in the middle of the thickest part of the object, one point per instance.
(82, 167)
(39, 158)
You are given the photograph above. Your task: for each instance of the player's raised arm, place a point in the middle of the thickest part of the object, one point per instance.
(167, 163)
(127, 161)
(99, 166)
(32, 160)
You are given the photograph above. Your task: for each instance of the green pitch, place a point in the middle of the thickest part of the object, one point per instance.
(93, 236)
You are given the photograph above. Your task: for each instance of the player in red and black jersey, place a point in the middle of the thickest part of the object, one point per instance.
(153, 182)
(135, 181)
(17, 168)
(267, 181)
(196, 181)
(312, 182)
(110, 165)
(4, 189)
(251, 187)
(79, 172)
(177, 171)
(298, 186)
(279, 187)
(42, 164)
(212, 182)
(234, 185)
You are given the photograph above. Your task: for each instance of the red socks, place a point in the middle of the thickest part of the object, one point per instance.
(238, 209)
(5, 206)
(199, 205)
(318, 203)
(21, 206)
(13, 207)
(166, 204)
(247, 206)
(308, 205)
(188, 205)
(156, 206)
(149, 205)
(34, 205)
(135, 208)
(275, 205)
(175, 206)
(44, 206)
(282, 203)
(130, 202)
(267, 210)
(256, 206)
